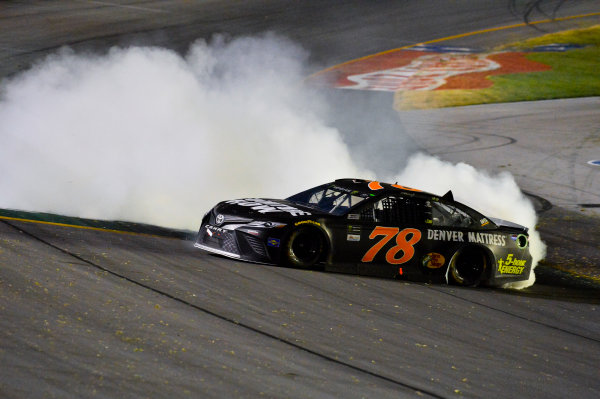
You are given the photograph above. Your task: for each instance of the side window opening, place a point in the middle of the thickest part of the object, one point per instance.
(329, 199)
(397, 211)
(443, 214)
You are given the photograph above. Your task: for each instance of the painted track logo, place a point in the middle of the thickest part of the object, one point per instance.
(426, 67)
(427, 72)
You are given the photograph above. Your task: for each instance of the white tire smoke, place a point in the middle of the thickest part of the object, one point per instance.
(145, 135)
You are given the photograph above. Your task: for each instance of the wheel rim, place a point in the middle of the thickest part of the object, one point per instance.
(305, 248)
(468, 268)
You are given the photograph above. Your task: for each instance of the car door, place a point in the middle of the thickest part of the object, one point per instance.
(392, 230)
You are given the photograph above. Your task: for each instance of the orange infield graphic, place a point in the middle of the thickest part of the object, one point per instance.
(427, 69)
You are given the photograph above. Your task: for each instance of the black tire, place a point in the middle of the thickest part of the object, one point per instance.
(468, 267)
(304, 248)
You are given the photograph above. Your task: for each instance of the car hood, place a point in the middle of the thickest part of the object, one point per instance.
(265, 209)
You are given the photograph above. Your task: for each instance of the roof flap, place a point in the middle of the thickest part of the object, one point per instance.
(448, 196)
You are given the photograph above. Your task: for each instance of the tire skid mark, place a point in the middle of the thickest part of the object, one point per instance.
(509, 141)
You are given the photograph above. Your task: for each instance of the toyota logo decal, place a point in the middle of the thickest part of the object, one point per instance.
(220, 219)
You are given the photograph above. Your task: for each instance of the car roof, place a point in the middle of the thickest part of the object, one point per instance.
(378, 188)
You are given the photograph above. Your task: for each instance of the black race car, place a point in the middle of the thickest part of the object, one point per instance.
(371, 228)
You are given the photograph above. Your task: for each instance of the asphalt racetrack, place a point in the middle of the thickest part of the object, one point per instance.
(91, 313)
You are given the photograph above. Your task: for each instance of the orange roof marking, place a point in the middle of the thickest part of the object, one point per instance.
(375, 185)
(405, 188)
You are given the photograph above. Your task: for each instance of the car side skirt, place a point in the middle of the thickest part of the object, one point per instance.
(217, 251)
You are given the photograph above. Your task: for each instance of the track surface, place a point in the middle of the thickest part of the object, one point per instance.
(87, 312)
(97, 314)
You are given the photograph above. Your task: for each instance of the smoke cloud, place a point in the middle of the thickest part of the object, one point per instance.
(146, 135)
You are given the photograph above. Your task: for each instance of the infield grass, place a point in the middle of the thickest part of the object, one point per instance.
(574, 73)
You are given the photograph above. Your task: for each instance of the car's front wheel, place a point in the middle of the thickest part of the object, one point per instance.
(304, 247)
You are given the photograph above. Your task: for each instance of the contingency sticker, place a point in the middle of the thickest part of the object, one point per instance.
(434, 260)
(353, 237)
(511, 265)
(353, 233)
(273, 242)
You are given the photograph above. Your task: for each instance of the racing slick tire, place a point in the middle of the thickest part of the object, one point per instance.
(467, 267)
(304, 248)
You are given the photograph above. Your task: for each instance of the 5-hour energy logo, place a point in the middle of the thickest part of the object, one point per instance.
(511, 265)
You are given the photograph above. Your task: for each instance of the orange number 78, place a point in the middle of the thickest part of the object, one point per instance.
(403, 244)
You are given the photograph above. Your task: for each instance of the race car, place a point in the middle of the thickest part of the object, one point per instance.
(371, 228)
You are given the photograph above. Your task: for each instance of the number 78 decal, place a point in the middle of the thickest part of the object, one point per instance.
(403, 244)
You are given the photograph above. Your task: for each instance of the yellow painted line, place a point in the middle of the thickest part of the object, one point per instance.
(81, 227)
(461, 35)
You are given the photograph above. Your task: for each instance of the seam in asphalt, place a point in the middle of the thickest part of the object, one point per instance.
(407, 386)
(517, 316)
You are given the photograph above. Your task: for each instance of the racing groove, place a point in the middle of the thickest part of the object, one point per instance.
(90, 312)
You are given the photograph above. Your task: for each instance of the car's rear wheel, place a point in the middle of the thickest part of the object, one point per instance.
(467, 267)
(304, 247)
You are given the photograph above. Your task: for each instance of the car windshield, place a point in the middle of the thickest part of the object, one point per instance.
(328, 198)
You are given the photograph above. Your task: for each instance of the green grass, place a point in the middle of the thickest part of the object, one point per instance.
(574, 73)
(584, 36)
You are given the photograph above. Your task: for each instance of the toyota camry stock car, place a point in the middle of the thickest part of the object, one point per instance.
(371, 228)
